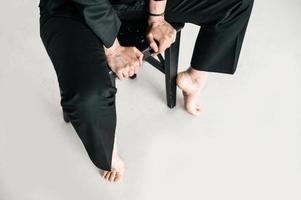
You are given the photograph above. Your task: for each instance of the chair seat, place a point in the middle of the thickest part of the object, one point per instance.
(133, 33)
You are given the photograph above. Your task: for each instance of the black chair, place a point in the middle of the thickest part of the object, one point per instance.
(133, 33)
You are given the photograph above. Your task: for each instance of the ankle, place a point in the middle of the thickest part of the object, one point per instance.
(196, 74)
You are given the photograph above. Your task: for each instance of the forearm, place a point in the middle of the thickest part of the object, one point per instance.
(156, 7)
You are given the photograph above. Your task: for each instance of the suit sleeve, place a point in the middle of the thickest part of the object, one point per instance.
(101, 18)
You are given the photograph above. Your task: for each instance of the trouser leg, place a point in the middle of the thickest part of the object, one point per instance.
(87, 93)
(223, 26)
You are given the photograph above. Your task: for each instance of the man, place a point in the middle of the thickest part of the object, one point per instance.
(80, 37)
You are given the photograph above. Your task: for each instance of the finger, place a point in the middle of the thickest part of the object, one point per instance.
(125, 72)
(136, 69)
(170, 42)
(119, 74)
(139, 62)
(162, 45)
(132, 71)
(152, 42)
(139, 55)
(140, 58)
(172, 38)
(131, 68)
(135, 65)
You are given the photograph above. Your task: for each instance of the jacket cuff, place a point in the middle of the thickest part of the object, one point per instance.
(106, 27)
(103, 20)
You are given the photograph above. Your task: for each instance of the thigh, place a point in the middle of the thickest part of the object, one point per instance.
(200, 12)
(77, 55)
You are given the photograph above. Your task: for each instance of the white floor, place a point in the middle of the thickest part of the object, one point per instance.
(245, 145)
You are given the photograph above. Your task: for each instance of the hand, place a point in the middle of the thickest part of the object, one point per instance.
(161, 31)
(124, 61)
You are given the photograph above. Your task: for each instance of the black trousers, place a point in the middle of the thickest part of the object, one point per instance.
(87, 93)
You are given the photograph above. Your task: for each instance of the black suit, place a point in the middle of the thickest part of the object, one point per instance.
(97, 13)
(73, 32)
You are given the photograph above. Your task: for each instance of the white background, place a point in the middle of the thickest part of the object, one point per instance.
(244, 145)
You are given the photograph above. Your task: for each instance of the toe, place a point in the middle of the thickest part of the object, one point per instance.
(103, 173)
(112, 176)
(194, 111)
(198, 108)
(197, 112)
(117, 177)
(107, 175)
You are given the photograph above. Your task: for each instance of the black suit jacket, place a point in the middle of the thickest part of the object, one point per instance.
(102, 16)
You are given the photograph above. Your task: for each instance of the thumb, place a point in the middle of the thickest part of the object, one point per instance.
(152, 43)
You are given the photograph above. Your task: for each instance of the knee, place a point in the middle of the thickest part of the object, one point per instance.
(241, 6)
(236, 14)
(247, 3)
(99, 97)
(88, 103)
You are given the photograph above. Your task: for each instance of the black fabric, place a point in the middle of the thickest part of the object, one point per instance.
(100, 15)
(87, 93)
(122, 1)
(220, 38)
(74, 35)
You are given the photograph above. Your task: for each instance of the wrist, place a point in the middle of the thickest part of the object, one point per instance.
(155, 19)
(111, 50)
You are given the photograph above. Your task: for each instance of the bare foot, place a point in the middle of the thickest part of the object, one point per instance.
(191, 82)
(116, 174)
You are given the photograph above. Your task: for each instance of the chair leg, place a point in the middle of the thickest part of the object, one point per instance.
(171, 70)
